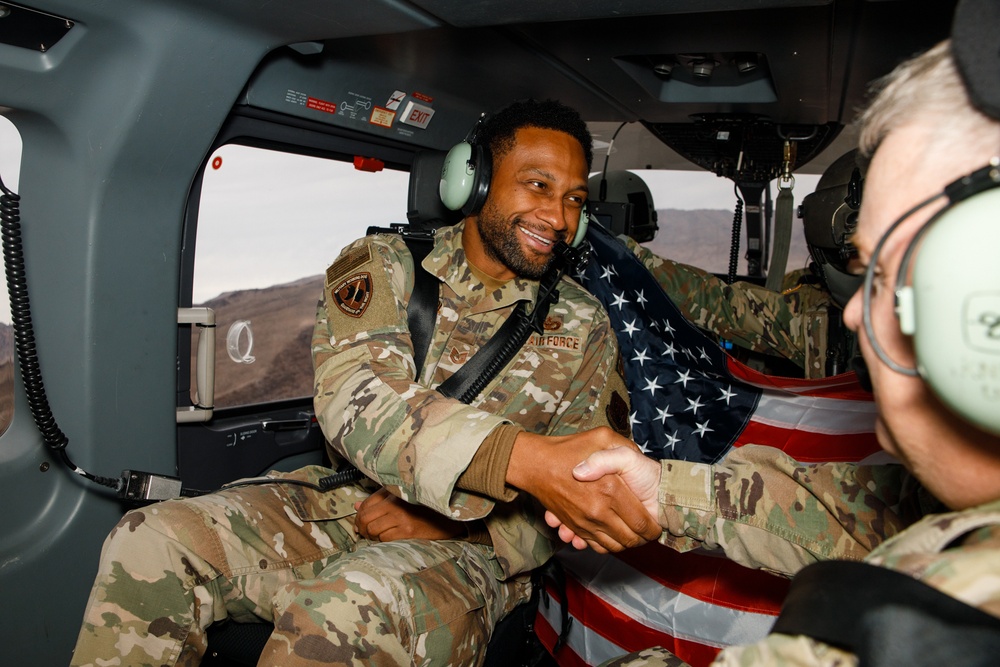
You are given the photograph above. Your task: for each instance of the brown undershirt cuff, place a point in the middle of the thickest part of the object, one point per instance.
(487, 472)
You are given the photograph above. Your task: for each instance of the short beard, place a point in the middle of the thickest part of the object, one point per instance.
(500, 241)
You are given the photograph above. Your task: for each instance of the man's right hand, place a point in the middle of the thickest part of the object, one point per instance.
(640, 473)
(604, 513)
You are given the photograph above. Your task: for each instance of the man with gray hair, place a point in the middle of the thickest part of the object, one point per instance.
(927, 531)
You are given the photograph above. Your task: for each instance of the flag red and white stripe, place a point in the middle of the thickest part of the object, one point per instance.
(690, 401)
(696, 603)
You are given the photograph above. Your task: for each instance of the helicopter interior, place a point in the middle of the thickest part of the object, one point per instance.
(120, 108)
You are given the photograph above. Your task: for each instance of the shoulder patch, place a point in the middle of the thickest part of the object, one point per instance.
(348, 263)
(353, 294)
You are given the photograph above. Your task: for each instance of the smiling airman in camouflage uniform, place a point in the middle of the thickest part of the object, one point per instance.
(290, 554)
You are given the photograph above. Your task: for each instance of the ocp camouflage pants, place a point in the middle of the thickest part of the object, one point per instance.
(289, 555)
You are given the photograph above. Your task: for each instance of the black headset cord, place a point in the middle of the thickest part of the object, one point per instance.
(132, 485)
(24, 336)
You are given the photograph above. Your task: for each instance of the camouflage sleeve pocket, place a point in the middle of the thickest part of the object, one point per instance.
(688, 485)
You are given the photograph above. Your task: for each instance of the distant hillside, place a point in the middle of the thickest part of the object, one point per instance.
(702, 238)
(281, 317)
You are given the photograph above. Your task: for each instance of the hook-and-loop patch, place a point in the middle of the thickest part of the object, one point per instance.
(350, 288)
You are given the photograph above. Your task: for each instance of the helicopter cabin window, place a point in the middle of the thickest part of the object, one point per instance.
(10, 168)
(696, 211)
(269, 224)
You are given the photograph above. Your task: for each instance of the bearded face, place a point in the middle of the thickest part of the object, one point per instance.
(501, 241)
(537, 193)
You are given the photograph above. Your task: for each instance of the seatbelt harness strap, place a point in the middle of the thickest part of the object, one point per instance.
(783, 213)
(886, 617)
(469, 381)
(421, 311)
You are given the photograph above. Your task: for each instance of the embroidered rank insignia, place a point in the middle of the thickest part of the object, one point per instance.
(617, 412)
(551, 324)
(353, 294)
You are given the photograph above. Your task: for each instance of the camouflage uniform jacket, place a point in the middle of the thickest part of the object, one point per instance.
(412, 439)
(788, 514)
(793, 324)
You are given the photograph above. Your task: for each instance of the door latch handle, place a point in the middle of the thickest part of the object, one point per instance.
(285, 424)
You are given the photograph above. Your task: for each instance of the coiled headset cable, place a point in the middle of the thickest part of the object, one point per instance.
(134, 486)
(24, 337)
(734, 247)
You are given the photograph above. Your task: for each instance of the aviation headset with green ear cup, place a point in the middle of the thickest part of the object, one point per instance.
(952, 307)
(466, 175)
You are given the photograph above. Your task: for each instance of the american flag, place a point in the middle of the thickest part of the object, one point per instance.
(691, 401)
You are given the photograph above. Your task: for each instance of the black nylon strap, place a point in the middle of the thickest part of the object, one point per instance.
(421, 311)
(466, 383)
(469, 380)
(886, 617)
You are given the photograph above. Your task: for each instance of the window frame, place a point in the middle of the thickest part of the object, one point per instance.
(10, 169)
(276, 132)
(281, 434)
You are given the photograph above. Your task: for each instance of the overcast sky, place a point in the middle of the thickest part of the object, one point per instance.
(10, 167)
(267, 218)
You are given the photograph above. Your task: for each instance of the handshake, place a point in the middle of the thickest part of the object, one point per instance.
(598, 489)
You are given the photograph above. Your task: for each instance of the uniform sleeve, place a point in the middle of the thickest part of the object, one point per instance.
(750, 316)
(521, 539)
(767, 511)
(372, 412)
(772, 651)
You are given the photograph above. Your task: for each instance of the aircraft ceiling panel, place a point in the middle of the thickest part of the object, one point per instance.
(467, 13)
(795, 43)
(505, 68)
(286, 22)
(818, 69)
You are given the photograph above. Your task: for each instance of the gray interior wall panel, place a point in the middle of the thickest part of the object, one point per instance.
(112, 135)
